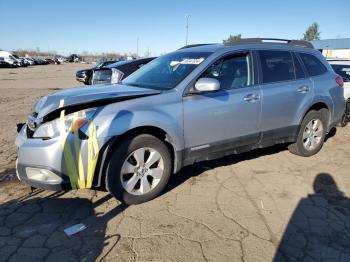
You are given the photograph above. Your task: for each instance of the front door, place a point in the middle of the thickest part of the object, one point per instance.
(228, 118)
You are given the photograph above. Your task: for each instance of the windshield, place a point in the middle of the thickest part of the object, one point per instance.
(343, 71)
(116, 64)
(166, 71)
(99, 64)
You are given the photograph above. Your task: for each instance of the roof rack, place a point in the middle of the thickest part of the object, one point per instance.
(297, 43)
(195, 45)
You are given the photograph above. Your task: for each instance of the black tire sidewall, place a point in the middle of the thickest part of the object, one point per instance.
(119, 155)
(89, 81)
(321, 115)
(345, 119)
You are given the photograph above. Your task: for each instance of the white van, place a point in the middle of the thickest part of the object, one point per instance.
(9, 58)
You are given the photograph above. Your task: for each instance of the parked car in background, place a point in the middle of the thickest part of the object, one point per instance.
(3, 63)
(39, 61)
(50, 61)
(114, 73)
(28, 60)
(85, 75)
(191, 105)
(10, 60)
(61, 60)
(21, 61)
(73, 58)
(342, 68)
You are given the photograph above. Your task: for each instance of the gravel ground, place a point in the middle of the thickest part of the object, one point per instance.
(266, 205)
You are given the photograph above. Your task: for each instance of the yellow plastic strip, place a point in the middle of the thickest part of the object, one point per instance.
(92, 154)
(81, 180)
(67, 153)
(77, 175)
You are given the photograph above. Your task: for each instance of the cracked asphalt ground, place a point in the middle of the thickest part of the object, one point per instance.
(266, 205)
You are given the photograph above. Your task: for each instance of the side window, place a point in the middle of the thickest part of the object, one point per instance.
(299, 72)
(276, 66)
(313, 66)
(232, 72)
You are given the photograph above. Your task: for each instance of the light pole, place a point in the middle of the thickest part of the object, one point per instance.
(187, 17)
(137, 47)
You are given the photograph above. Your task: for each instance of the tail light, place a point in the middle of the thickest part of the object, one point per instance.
(340, 81)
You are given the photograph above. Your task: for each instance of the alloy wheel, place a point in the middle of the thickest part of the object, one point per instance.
(141, 171)
(313, 134)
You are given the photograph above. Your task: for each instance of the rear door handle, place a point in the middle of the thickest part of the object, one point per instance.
(303, 89)
(251, 98)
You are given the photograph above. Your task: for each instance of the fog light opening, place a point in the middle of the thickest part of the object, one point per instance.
(42, 175)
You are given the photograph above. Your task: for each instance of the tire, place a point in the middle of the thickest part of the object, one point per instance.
(345, 119)
(313, 142)
(124, 170)
(88, 81)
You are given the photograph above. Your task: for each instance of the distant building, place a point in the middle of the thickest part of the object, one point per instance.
(333, 48)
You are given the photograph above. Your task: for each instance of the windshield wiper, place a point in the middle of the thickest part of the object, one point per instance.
(145, 86)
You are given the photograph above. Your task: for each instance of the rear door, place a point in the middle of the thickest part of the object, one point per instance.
(217, 121)
(286, 91)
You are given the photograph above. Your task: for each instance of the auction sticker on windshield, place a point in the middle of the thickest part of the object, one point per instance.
(192, 61)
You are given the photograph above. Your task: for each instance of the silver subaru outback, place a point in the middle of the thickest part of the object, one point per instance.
(197, 103)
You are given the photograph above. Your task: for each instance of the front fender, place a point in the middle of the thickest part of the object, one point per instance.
(125, 120)
(109, 128)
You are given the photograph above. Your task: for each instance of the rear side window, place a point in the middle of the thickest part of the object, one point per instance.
(313, 66)
(276, 66)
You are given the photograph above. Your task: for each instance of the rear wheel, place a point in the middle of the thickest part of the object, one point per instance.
(139, 169)
(311, 134)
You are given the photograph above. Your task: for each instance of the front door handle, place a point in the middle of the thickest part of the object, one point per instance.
(303, 89)
(251, 98)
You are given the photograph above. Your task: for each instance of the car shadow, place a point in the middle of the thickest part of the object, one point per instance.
(200, 167)
(33, 227)
(318, 230)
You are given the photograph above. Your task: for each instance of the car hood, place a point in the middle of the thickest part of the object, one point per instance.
(85, 70)
(80, 98)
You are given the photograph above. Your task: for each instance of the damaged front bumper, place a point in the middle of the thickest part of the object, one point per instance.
(40, 164)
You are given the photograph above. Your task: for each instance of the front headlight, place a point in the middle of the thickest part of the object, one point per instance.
(71, 123)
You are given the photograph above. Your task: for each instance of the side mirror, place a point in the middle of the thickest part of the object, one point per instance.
(207, 85)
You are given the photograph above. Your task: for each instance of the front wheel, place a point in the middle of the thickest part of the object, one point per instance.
(139, 169)
(88, 81)
(311, 134)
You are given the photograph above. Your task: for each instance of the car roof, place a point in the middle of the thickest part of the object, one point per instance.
(252, 43)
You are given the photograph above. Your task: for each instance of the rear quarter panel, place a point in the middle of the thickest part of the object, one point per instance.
(329, 92)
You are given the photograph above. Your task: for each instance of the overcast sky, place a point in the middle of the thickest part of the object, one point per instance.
(114, 26)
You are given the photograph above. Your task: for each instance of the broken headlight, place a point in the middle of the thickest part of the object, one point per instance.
(69, 123)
